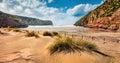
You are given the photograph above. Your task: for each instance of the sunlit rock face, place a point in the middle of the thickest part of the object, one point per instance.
(105, 16)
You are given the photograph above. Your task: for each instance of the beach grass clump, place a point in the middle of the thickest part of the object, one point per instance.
(17, 30)
(64, 45)
(46, 33)
(86, 45)
(69, 45)
(8, 29)
(56, 34)
(32, 34)
(13, 29)
(25, 31)
(52, 34)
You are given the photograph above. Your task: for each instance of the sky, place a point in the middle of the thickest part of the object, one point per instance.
(61, 12)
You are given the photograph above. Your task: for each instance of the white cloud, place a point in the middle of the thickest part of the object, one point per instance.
(25, 3)
(61, 19)
(18, 8)
(11, 11)
(49, 1)
(47, 10)
(28, 11)
(39, 9)
(64, 19)
(2, 5)
(81, 9)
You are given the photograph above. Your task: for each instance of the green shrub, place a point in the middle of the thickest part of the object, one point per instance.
(32, 34)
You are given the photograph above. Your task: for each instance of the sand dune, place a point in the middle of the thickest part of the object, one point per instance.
(16, 48)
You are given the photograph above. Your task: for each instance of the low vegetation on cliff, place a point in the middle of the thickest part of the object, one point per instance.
(106, 16)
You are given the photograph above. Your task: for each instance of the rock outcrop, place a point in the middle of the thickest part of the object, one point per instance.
(106, 16)
(8, 20)
(34, 21)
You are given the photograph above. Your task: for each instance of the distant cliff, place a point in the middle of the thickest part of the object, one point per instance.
(106, 16)
(7, 20)
(34, 21)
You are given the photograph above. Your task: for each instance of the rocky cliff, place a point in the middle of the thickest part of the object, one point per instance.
(7, 20)
(34, 21)
(106, 16)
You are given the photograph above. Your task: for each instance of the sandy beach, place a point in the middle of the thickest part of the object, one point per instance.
(17, 48)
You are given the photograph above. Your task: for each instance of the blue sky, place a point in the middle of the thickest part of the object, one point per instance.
(61, 12)
(71, 3)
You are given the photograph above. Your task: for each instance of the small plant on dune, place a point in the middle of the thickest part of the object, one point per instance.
(13, 29)
(32, 34)
(68, 45)
(16, 30)
(56, 34)
(25, 31)
(88, 46)
(64, 45)
(46, 33)
(51, 34)
(8, 29)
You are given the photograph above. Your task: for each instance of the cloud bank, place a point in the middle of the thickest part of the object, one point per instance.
(39, 9)
(81, 9)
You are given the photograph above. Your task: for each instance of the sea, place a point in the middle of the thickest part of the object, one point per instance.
(62, 28)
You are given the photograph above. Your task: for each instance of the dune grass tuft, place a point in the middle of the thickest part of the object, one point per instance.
(56, 34)
(32, 34)
(52, 34)
(68, 45)
(64, 45)
(88, 46)
(12, 29)
(46, 33)
(17, 30)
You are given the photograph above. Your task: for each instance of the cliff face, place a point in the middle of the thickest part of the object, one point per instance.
(7, 20)
(34, 21)
(106, 16)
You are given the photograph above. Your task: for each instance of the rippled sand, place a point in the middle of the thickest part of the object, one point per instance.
(16, 48)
